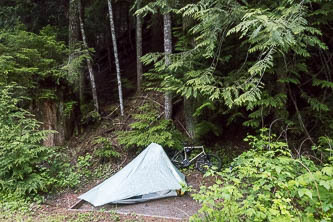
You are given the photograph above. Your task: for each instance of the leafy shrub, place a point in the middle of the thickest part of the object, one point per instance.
(27, 167)
(70, 176)
(105, 149)
(148, 128)
(267, 184)
(22, 157)
(89, 116)
(10, 202)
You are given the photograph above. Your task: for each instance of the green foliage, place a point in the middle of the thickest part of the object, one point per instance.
(29, 58)
(69, 108)
(22, 157)
(90, 117)
(324, 149)
(269, 104)
(69, 175)
(8, 19)
(268, 184)
(48, 94)
(78, 58)
(29, 168)
(206, 124)
(148, 128)
(13, 202)
(268, 57)
(105, 149)
(156, 6)
(270, 31)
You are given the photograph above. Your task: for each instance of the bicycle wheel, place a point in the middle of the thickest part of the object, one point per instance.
(208, 161)
(178, 159)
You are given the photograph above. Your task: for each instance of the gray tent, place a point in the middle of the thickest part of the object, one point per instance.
(151, 175)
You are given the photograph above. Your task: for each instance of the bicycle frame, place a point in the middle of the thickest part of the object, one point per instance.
(193, 147)
(203, 159)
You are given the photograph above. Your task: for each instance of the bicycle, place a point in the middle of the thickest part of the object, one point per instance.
(203, 160)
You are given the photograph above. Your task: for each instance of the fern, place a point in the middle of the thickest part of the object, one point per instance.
(315, 104)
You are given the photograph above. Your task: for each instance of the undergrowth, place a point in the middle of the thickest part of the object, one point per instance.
(267, 183)
(150, 127)
(30, 170)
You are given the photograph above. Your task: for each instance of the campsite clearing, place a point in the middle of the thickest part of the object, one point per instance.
(56, 209)
(172, 208)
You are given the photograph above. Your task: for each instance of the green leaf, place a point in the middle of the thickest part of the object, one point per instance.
(325, 184)
(328, 171)
(304, 191)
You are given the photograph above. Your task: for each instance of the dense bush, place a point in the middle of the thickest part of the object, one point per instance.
(268, 184)
(29, 169)
(22, 157)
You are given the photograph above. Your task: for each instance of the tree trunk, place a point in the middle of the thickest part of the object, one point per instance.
(188, 114)
(167, 51)
(73, 40)
(115, 50)
(189, 104)
(49, 122)
(90, 68)
(51, 114)
(138, 48)
(74, 27)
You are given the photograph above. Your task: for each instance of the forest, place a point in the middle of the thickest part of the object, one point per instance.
(86, 85)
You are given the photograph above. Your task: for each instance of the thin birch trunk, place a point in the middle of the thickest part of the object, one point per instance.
(115, 50)
(138, 48)
(167, 51)
(90, 68)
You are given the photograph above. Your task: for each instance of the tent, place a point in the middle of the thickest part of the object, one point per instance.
(151, 175)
